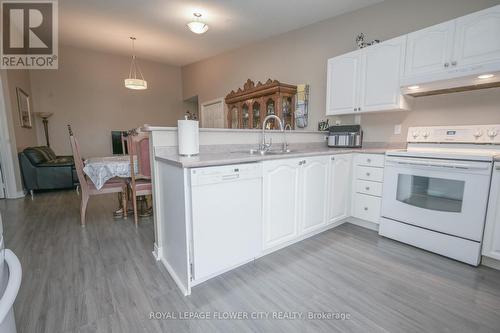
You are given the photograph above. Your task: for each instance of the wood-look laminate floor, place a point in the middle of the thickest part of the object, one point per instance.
(103, 278)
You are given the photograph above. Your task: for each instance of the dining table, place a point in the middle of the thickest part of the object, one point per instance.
(101, 169)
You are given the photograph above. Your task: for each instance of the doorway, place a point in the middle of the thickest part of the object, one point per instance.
(212, 113)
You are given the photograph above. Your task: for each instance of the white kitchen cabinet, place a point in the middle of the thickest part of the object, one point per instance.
(429, 50)
(381, 68)
(339, 186)
(464, 47)
(491, 239)
(314, 193)
(367, 80)
(342, 93)
(294, 199)
(280, 201)
(477, 38)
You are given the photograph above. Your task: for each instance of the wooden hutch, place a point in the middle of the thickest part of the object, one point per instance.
(248, 107)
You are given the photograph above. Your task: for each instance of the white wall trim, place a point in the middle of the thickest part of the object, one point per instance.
(7, 141)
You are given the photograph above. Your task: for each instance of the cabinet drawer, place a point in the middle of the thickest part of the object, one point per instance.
(374, 160)
(368, 187)
(369, 173)
(366, 207)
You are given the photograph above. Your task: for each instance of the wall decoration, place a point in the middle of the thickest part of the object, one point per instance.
(360, 41)
(302, 105)
(23, 105)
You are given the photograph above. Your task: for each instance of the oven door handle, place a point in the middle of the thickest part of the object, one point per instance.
(461, 166)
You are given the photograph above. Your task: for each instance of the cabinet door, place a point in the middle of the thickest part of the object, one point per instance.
(339, 187)
(314, 193)
(491, 242)
(280, 201)
(429, 50)
(342, 84)
(380, 78)
(477, 38)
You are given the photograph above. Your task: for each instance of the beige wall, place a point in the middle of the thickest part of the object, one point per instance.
(87, 92)
(25, 137)
(300, 56)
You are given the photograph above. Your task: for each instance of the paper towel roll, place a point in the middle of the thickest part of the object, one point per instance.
(188, 137)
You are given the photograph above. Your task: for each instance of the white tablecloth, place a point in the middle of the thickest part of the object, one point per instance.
(102, 169)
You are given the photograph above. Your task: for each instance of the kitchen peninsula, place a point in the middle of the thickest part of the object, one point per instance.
(264, 202)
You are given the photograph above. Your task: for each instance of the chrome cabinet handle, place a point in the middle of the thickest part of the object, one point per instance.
(446, 64)
(333, 158)
(367, 188)
(366, 208)
(453, 63)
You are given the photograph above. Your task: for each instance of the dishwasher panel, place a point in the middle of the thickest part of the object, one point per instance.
(226, 218)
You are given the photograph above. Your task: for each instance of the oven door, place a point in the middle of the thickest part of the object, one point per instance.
(441, 195)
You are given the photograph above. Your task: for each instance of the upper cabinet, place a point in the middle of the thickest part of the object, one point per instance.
(467, 46)
(342, 84)
(367, 80)
(477, 38)
(429, 50)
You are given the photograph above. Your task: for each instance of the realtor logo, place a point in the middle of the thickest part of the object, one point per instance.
(29, 34)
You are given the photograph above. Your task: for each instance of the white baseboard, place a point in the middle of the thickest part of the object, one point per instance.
(176, 279)
(490, 262)
(16, 195)
(363, 223)
(301, 238)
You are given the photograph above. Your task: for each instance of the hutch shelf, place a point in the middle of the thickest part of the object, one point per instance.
(248, 107)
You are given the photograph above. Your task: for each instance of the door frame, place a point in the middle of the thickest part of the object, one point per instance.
(7, 140)
(211, 102)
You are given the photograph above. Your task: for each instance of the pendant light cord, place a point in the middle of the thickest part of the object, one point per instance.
(134, 66)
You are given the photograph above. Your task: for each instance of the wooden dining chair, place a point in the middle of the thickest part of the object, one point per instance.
(88, 188)
(140, 179)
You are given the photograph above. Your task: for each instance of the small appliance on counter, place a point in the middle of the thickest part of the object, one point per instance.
(345, 136)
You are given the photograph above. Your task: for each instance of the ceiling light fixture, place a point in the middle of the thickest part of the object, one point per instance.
(197, 26)
(485, 76)
(135, 78)
(413, 87)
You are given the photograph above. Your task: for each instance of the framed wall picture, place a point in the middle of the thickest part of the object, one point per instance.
(23, 104)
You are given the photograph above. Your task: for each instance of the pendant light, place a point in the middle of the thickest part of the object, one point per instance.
(135, 78)
(197, 26)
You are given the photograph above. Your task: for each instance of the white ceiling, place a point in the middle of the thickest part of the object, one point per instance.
(160, 25)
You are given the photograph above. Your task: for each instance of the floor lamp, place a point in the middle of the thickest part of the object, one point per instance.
(45, 119)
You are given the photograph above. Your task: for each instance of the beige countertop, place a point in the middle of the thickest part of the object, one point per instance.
(241, 155)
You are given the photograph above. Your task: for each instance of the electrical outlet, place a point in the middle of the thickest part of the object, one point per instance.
(397, 129)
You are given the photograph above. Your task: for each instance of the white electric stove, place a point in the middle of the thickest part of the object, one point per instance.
(436, 191)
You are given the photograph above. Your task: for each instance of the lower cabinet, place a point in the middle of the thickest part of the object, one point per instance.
(314, 192)
(339, 187)
(491, 243)
(280, 201)
(294, 198)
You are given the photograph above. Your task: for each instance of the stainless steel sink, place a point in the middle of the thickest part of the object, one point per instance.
(269, 152)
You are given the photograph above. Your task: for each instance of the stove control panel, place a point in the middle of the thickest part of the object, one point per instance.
(455, 134)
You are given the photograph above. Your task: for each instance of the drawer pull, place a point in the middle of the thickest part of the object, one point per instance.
(366, 208)
(367, 188)
(368, 174)
(333, 158)
(369, 160)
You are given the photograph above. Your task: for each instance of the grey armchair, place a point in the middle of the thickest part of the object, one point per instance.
(41, 169)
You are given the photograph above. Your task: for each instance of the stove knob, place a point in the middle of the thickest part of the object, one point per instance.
(478, 133)
(492, 133)
(415, 134)
(426, 134)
